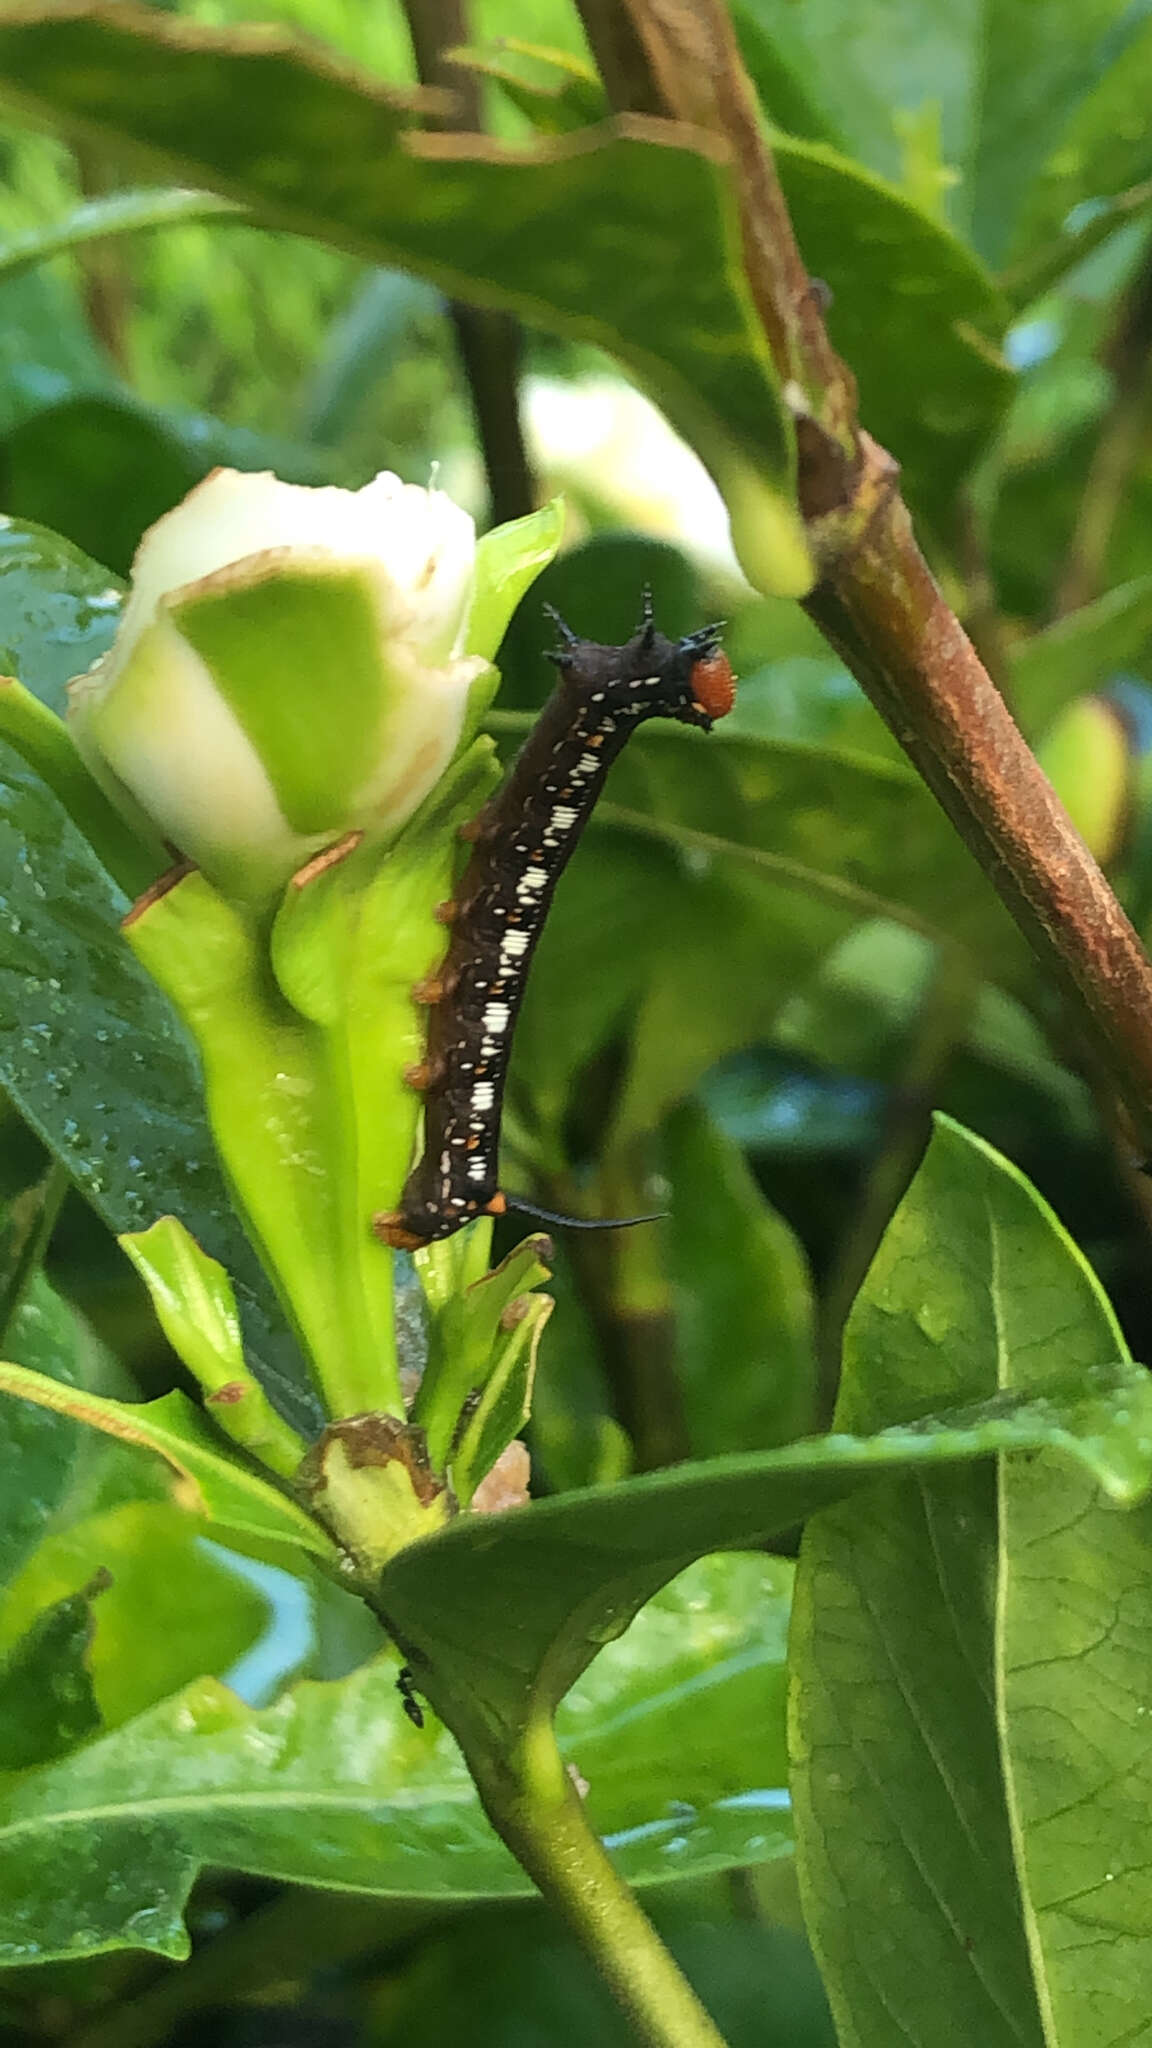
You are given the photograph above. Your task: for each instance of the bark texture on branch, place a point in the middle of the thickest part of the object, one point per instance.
(876, 600)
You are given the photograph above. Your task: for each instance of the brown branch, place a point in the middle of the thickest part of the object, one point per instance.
(876, 601)
(490, 344)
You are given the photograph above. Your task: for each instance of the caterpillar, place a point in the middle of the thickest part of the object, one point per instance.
(521, 843)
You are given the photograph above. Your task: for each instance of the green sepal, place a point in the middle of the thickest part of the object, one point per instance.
(468, 1341)
(132, 858)
(196, 1307)
(211, 1481)
(445, 1268)
(279, 1106)
(506, 1402)
(349, 943)
(508, 561)
(370, 1480)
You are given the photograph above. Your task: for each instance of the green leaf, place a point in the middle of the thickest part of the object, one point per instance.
(359, 350)
(1019, 93)
(90, 1051)
(98, 220)
(102, 466)
(543, 236)
(332, 1786)
(225, 1493)
(172, 1610)
(744, 1332)
(506, 1402)
(1105, 149)
(195, 1305)
(44, 1457)
(1080, 652)
(47, 1703)
(960, 1771)
(476, 1332)
(509, 558)
(942, 310)
(500, 1615)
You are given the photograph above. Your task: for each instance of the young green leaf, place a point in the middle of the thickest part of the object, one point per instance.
(210, 1482)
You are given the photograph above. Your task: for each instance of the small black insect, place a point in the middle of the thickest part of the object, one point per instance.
(522, 842)
(406, 1687)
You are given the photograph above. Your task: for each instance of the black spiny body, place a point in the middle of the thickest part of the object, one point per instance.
(523, 841)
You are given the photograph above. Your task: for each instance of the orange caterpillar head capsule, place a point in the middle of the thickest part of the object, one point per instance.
(713, 684)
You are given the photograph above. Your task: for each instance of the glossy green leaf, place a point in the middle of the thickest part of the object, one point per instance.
(214, 1485)
(102, 466)
(958, 1725)
(90, 1051)
(47, 1702)
(554, 1581)
(745, 1354)
(332, 1786)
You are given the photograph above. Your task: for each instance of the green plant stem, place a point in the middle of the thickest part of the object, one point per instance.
(44, 741)
(30, 1223)
(536, 1810)
(624, 1280)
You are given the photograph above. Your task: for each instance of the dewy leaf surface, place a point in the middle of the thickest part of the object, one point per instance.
(932, 1885)
(332, 1786)
(500, 1614)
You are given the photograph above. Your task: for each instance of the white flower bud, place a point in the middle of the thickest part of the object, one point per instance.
(290, 666)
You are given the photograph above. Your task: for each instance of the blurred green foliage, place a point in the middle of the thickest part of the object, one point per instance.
(770, 963)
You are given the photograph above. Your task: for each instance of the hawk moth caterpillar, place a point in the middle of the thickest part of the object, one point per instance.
(521, 843)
